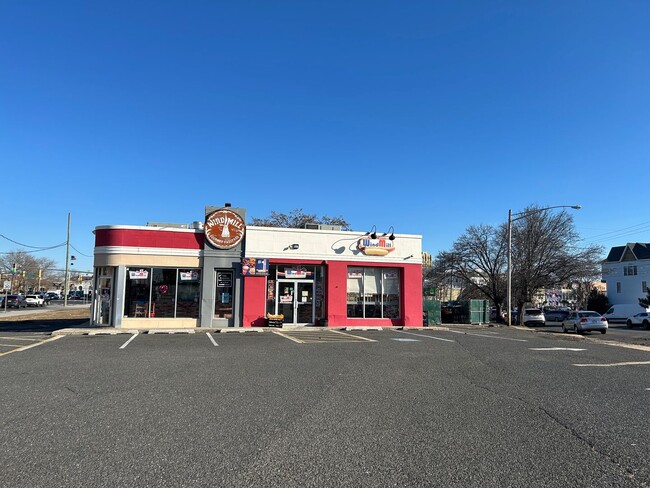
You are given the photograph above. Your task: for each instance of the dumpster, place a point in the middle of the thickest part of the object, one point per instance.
(431, 312)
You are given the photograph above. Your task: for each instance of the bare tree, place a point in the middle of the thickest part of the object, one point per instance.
(28, 268)
(297, 219)
(546, 253)
(481, 260)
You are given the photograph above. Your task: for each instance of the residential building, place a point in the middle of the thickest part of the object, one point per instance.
(626, 272)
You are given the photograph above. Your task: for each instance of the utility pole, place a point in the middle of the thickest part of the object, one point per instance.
(67, 263)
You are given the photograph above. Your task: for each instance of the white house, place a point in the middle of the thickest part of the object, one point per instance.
(626, 272)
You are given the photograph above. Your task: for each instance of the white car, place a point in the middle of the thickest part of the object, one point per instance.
(642, 318)
(585, 320)
(34, 300)
(533, 316)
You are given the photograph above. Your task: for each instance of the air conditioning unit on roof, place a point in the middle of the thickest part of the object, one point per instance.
(314, 226)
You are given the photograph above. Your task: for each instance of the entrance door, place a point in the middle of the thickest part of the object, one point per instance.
(295, 300)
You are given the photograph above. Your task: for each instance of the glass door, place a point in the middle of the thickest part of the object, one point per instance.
(305, 303)
(295, 300)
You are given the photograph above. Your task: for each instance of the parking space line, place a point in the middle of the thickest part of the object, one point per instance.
(630, 363)
(288, 337)
(425, 336)
(20, 339)
(24, 348)
(127, 342)
(211, 339)
(352, 335)
(488, 336)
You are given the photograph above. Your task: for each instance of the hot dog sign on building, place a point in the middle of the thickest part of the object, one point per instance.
(224, 229)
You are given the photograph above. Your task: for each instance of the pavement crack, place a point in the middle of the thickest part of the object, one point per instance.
(629, 472)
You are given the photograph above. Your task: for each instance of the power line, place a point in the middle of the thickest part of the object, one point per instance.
(79, 252)
(42, 248)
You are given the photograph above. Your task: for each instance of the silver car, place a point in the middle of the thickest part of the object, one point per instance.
(585, 320)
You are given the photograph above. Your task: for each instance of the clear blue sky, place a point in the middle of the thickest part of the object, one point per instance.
(429, 116)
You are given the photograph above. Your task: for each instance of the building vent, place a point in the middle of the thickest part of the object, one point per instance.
(330, 227)
(313, 226)
(197, 224)
(167, 224)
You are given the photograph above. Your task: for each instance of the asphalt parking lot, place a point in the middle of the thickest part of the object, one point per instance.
(458, 407)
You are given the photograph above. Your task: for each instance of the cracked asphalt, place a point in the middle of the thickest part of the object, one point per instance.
(463, 407)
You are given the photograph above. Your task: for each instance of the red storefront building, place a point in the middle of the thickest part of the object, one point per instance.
(222, 273)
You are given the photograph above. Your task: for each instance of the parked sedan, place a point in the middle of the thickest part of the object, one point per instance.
(16, 301)
(642, 318)
(555, 315)
(34, 301)
(585, 320)
(533, 316)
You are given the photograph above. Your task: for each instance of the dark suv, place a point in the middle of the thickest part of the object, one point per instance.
(16, 301)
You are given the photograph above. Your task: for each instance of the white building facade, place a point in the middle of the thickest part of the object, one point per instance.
(626, 271)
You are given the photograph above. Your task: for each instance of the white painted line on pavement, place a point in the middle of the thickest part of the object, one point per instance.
(20, 339)
(24, 348)
(488, 336)
(631, 363)
(555, 349)
(288, 337)
(352, 335)
(211, 339)
(422, 335)
(127, 342)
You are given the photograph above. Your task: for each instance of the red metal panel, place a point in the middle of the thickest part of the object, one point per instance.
(254, 301)
(148, 238)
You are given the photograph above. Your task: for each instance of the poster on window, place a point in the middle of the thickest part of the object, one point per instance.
(224, 279)
(189, 275)
(255, 267)
(141, 274)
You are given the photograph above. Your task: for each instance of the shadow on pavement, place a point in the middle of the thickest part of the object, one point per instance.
(44, 326)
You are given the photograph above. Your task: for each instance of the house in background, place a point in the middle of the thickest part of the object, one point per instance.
(626, 272)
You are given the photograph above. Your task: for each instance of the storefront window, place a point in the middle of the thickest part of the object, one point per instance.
(189, 293)
(162, 292)
(137, 292)
(223, 298)
(373, 293)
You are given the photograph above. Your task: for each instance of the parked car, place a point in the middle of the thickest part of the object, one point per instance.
(533, 316)
(642, 318)
(16, 301)
(556, 315)
(54, 294)
(585, 320)
(34, 301)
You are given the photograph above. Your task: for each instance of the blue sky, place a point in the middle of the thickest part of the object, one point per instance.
(429, 116)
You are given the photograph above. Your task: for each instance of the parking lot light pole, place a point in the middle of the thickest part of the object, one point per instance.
(521, 215)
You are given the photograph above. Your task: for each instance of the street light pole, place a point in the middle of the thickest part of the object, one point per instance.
(521, 215)
(67, 261)
(509, 266)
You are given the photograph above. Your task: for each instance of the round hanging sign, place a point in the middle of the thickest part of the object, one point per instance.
(224, 229)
